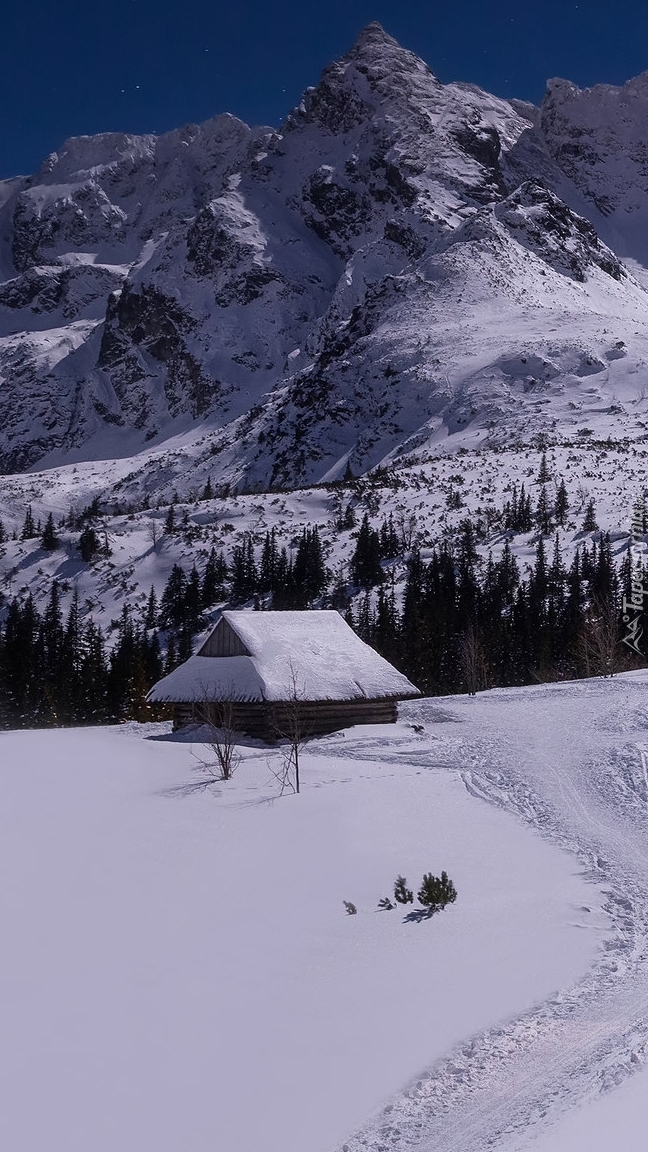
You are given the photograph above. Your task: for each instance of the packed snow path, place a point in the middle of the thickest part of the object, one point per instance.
(570, 760)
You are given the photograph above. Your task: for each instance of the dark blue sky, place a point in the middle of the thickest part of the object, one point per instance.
(69, 67)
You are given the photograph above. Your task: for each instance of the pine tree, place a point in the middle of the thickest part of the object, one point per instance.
(171, 660)
(282, 594)
(50, 644)
(402, 894)
(213, 580)
(507, 575)
(468, 591)
(414, 632)
(604, 582)
(93, 676)
(151, 612)
(589, 522)
(436, 892)
(366, 570)
(192, 601)
(127, 683)
(71, 664)
(269, 561)
(389, 543)
(539, 580)
(348, 519)
(556, 572)
(89, 544)
(511, 511)
(518, 516)
(543, 513)
(152, 656)
(365, 622)
(309, 572)
(28, 528)
(172, 603)
(562, 504)
(525, 521)
(185, 646)
(244, 573)
(137, 707)
(543, 474)
(49, 539)
(20, 675)
(169, 523)
(385, 637)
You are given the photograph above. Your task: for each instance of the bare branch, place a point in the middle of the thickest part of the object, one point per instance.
(291, 728)
(219, 717)
(472, 659)
(598, 640)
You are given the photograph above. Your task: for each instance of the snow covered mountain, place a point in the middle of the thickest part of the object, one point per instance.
(405, 267)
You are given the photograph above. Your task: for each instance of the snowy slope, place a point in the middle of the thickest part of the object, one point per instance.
(401, 262)
(428, 500)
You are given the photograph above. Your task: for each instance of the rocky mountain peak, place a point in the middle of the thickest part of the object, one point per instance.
(373, 36)
(378, 57)
(375, 47)
(374, 72)
(300, 291)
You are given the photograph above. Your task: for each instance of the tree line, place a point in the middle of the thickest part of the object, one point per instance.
(460, 623)
(56, 669)
(465, 624)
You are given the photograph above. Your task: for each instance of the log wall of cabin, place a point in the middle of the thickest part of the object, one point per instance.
(316, 718)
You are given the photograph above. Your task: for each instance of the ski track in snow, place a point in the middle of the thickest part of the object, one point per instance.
(558, 765)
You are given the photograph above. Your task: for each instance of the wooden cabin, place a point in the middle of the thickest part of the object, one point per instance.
(269, 667)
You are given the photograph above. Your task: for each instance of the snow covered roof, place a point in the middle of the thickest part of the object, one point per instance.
(328, 660)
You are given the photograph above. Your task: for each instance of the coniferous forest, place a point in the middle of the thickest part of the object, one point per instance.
(451, 619)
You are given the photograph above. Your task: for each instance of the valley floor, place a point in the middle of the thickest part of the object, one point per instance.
(179, 974)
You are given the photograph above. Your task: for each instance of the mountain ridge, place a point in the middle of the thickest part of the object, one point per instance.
(334, 291)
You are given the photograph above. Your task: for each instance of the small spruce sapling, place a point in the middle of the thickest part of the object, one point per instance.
(436, 892)
(402, 894)
(351, 909)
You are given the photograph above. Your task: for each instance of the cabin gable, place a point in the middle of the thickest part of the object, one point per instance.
(223, 641)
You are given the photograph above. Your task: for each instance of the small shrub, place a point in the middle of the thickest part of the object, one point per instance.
(385, 905)
(351, 909)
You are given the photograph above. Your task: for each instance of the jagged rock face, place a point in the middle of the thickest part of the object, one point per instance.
(143, 327)
(366, 281)
(566, 241)
(599, 139)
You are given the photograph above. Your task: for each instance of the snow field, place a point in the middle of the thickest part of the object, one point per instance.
(177, 966)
